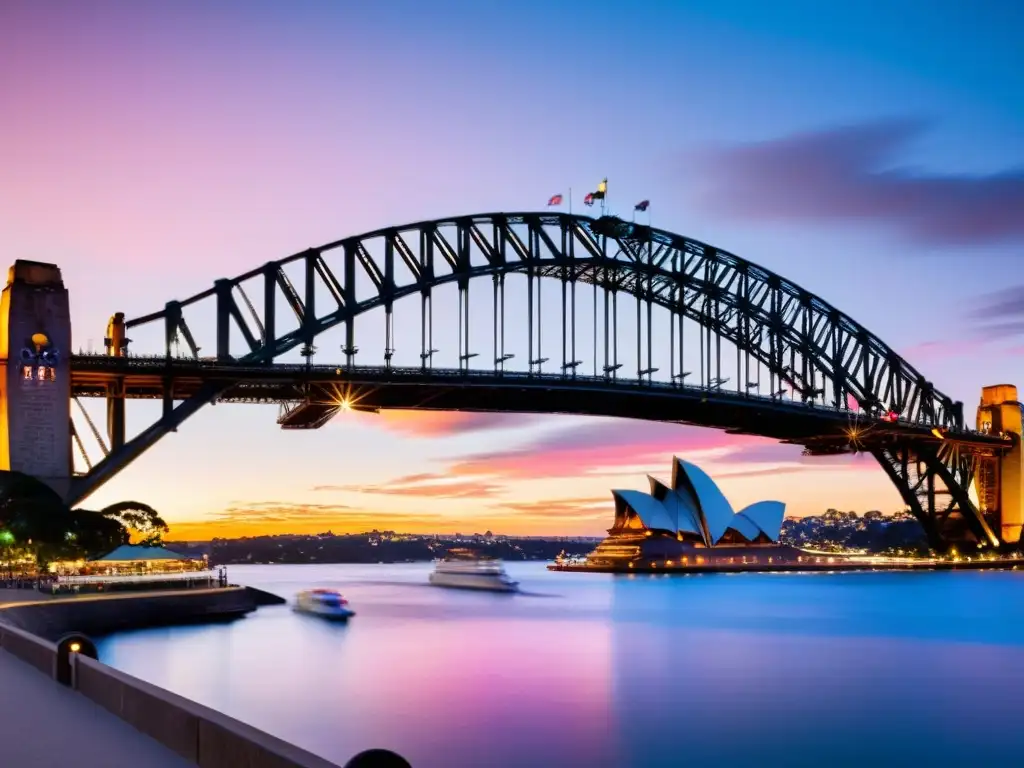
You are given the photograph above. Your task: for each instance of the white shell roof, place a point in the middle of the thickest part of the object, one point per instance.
(681, 510)
(650, 511)
(695, 504)
(747, 528)
(767, 516)
(715, 508)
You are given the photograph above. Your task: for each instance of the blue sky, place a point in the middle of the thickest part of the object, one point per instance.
(871, 152)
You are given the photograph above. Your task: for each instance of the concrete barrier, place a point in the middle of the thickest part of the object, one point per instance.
(40, 653)
(200, 734)
(101, 614)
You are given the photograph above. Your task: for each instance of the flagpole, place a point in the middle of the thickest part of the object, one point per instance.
(570, 201)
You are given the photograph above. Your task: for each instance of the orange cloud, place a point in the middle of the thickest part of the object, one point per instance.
(276, 518)
(589, 508)
(279, 517)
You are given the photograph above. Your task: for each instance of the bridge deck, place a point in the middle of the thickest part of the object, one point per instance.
(819, 428)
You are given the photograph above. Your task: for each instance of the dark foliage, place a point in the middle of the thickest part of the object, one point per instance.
(35, 517)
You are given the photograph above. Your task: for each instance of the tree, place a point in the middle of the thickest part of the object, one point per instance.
(34, 516)
(95, 534)
(138, 517)
(153, 540)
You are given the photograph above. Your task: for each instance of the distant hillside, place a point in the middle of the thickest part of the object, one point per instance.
(376, 547)
(873, 531)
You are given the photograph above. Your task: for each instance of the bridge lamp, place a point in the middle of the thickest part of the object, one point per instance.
(938, 433)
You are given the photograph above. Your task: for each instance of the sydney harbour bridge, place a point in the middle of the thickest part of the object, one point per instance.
(510, 312)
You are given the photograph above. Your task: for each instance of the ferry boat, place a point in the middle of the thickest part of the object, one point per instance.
(465, 569)
(327, 603)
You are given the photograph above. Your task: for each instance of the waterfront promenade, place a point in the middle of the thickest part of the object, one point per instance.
(44, 724)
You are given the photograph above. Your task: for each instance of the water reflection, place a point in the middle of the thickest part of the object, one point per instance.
(617, 671)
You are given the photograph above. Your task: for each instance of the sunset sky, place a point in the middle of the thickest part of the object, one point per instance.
(871, 152)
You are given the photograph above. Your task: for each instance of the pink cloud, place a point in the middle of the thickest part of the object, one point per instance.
(444, 423)
(780, 453)
(589, 448)
(930, 351)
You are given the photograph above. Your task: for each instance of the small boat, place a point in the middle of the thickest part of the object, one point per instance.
(327, 603)
(465, 569)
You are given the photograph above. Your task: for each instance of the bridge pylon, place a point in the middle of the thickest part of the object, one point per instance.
(999, 481)
(35, 383)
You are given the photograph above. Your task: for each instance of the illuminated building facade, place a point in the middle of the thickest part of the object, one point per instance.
(689, 522)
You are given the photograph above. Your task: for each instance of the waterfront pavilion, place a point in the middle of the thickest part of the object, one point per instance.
(135, 567)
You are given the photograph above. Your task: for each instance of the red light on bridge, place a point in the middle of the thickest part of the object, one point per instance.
(891, 416)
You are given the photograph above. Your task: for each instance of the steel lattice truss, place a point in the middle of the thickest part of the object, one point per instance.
(813, 353)
(809, 345)
(934, 484)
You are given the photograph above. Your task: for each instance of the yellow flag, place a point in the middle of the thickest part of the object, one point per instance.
(603, 187)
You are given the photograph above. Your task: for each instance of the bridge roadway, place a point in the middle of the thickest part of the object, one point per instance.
(318, 392)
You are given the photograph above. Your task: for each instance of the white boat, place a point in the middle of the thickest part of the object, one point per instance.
(464, 569)
(327, 603)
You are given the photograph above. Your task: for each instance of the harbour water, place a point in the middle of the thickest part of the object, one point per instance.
(602, 670)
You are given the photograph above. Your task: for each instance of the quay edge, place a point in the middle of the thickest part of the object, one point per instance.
(973, 565)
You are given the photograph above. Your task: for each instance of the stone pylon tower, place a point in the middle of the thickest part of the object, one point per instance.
(35, 384)
(1000, 482)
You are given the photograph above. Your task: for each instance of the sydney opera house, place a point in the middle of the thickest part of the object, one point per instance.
(690, 524)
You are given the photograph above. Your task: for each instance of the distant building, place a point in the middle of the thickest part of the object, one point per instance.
(689, 522)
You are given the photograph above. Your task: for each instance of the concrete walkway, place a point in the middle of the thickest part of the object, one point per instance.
(45, 725)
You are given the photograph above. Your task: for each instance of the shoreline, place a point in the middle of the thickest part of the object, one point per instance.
(684, 570)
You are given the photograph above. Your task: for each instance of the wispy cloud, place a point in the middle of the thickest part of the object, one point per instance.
(1000, 314)
(791, 458)
(847, 174)
(594, 447)
(587, 508)
(942, 349)
(436, 485)
(443, 423)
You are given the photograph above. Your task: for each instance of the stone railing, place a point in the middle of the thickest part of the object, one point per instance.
(200, 734)
(138, 578)
(208, 738)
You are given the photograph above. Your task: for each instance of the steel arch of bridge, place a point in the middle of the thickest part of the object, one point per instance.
(810, 348)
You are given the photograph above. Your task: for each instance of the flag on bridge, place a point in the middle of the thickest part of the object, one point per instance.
(602, 190)
(589, 199)
(555, 200)
(642, 205)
